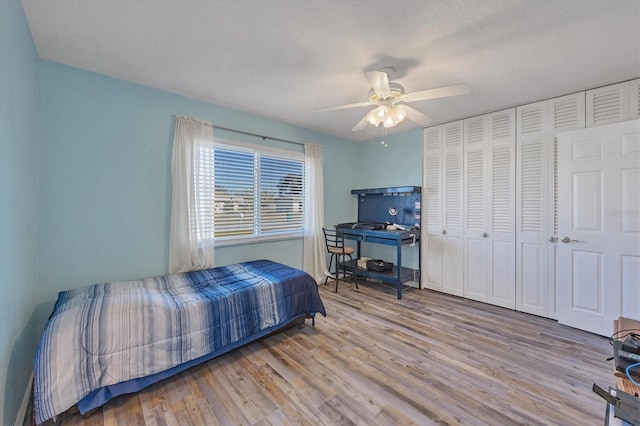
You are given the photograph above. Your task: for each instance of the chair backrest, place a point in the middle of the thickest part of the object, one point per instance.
(333, 239)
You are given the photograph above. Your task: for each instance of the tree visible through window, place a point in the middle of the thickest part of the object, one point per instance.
(255, 193)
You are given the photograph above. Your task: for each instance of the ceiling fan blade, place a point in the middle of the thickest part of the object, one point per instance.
(380, 82)
(415, 115)
(354, 105)
(361, 124)
(440, 92)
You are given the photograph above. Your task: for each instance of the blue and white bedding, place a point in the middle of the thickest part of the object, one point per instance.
(111, 333)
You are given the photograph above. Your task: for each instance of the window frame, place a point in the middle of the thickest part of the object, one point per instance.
(258, 151)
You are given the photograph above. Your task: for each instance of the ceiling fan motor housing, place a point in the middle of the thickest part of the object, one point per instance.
(396, 95)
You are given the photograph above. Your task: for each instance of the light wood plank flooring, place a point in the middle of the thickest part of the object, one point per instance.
(427, 359)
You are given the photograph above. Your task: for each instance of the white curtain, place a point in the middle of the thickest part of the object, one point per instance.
(314, 260)
(186, 253)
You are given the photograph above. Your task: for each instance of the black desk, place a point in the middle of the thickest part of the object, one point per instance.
(398, 275)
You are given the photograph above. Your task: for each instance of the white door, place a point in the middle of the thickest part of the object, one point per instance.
(532, 237)
(598, 256)
(431, 220)
(634, 99)
(608, 104)
(500, 235)
(452, 250)
(536, 197)
(475, 232)
(489, 208)
(566, 113)
(442, 208)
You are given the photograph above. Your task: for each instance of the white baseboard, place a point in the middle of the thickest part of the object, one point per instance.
(25, 403)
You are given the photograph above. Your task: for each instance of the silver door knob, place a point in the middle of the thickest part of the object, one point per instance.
(567, 240)
(444, 232)
(485, 235)
(553, 239)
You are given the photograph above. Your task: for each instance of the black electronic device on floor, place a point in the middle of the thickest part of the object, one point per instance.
(627, 352)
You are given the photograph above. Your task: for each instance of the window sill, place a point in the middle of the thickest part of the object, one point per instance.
(228, 242)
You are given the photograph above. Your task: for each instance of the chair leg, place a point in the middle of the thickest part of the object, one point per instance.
(330, 262)
(353, 275)
(337, 274)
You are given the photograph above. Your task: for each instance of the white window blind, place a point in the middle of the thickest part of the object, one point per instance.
(281, 194)
(249, 193)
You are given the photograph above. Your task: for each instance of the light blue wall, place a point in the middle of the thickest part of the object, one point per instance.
(18, 206)
(400, 162)
(105, 178)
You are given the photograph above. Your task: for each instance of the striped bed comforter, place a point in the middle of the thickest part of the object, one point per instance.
(113, 332)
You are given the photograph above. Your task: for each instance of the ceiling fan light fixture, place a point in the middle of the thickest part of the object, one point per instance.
(388, 116)
(393, 117)
(377, 115)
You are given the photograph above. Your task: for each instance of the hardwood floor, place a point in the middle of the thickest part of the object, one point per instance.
(427, 359)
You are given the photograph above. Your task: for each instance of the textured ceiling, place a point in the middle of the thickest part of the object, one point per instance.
(285, 58)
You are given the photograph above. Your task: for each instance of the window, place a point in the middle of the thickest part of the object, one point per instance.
(249, 192)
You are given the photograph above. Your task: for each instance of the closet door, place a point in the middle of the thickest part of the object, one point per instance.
(500, 147)
(566, 113)
(599, 250)
(489, 215)
(634, 99)
(442, 209)
(475, 241)
(532, 209)
(432, 223)
(452, 208)
(609, 104)
(537, 127)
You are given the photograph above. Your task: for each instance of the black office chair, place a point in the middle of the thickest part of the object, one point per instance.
(334, 239)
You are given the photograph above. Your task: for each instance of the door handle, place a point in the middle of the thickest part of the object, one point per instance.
(567, 240)
(444, 232)
(485, 235)
(553, 239)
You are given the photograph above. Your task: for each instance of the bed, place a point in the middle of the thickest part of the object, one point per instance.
(115, 338)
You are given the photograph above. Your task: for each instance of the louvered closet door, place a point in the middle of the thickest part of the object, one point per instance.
(609, 104)
(432, 223)
(532, 212)
(501, 144)
(475, 207)
(634, 99)
(536, 197)
(566, 113)
(452, 209)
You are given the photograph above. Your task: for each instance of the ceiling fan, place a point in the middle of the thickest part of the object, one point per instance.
(389, 99)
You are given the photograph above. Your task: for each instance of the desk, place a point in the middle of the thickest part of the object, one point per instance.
(398, 275)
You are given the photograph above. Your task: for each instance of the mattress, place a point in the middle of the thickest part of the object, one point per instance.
(117, 337)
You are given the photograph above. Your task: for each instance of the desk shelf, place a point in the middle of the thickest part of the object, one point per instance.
(390, 277)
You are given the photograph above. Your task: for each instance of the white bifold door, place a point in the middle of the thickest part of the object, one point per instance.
(489, 208)
(537, 128)
(442, 208)
(598, 252)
